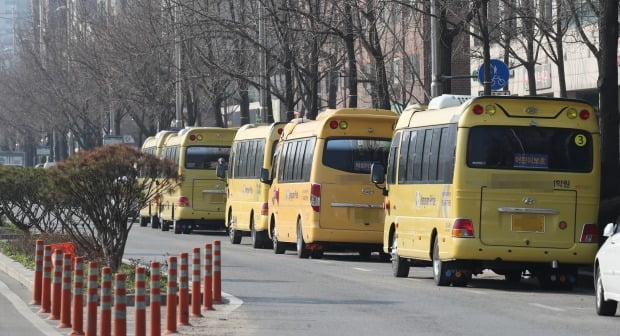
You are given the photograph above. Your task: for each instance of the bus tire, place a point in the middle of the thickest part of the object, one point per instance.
(257, 239)
(165, 225)
(439, 274)
(513, 277)
(603, 307)
(176, 224)
(317, 254)
(143, 221)
(233, 235)
(302, 251)
(400, 266)
(154, 222)
(278, 248)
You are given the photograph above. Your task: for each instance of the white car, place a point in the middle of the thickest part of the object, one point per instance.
(607, 272)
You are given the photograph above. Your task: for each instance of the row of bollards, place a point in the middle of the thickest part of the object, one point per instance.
(52, 291)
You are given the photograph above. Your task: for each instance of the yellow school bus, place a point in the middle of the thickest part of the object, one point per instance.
(246, 200)
(197, 203)
(153, 145)
(509, 184)
(320, 195)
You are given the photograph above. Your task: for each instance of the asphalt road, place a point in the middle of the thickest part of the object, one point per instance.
(342, 295)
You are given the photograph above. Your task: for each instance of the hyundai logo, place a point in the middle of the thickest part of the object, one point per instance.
(529, 201)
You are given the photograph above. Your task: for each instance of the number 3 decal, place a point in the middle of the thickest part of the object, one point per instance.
(580, 140)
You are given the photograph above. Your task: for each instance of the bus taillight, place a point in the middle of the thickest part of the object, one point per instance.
(315, 197)
(478, 109)
(264, 209)
(589, 233)
(183, 202)
(462, 228)
(584, 114)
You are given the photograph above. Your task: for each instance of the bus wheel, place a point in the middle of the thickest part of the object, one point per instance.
(154, 222)
(165, 225)
(258, 238)
(277, 247)
(186, 228)
(317, 254)
(143, 221)
(400, 266)
(439, 271)
(302, 250)
(603, 307)
(234, 235)
(176, 224)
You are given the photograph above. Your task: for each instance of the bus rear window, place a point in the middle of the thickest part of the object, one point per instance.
(204, 157)
(529, 148)
(355, 155)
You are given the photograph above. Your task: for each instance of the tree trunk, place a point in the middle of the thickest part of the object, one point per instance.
(349, 41)
(608, 97)
(244, 103)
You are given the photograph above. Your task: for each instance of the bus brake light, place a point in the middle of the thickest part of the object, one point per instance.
(589, 233)
(264, 209)
(333, 124)
(478, 109)
(183, 202)
(462, 228)
(584, 114)
(315, 197)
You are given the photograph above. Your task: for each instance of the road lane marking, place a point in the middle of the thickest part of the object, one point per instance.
(362, 269)
(477, 292)
(546, 307)
(26, 312)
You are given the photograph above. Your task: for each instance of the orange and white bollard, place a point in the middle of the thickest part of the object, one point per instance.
(105, 304)
(120, 306)
(184, 290)
(155, 306)
(196, 282)
(65, 302)
(38, 273)
(217, 271)
(92, 293)
(78, 299)
(46, 288)
(171, 297)
(56, 286)
(140, 302)
(207, 296)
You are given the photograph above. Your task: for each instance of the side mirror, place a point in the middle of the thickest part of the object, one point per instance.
(264, 176)
(377, 173)
(220, 168)
(609, 230)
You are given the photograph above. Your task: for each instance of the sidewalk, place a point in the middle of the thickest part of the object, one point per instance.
(206, 325)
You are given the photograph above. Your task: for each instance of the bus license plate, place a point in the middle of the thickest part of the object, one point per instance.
(528, 223)
(367, 215)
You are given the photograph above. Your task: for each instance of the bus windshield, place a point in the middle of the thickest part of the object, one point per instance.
(204, 157)
(355, 155)
(529, 148)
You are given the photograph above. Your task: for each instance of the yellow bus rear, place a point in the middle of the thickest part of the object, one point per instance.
(246, 201)
(509, 184)
(153, 145)
(320, 197)
(198, 202)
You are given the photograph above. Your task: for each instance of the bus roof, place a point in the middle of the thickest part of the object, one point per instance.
(257, 131)
(219, 135)
(505, 110)
(302, 127)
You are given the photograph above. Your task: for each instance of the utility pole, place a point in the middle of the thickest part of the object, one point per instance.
(262, 57)
(178, 122)
(436, 85)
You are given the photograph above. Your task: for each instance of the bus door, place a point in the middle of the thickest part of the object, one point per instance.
(349, 201)
(208, 191)
(529, 197)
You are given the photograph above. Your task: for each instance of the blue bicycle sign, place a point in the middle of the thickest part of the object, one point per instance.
(499, 74)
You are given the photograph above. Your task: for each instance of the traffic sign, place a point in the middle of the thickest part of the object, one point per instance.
(499, 74)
